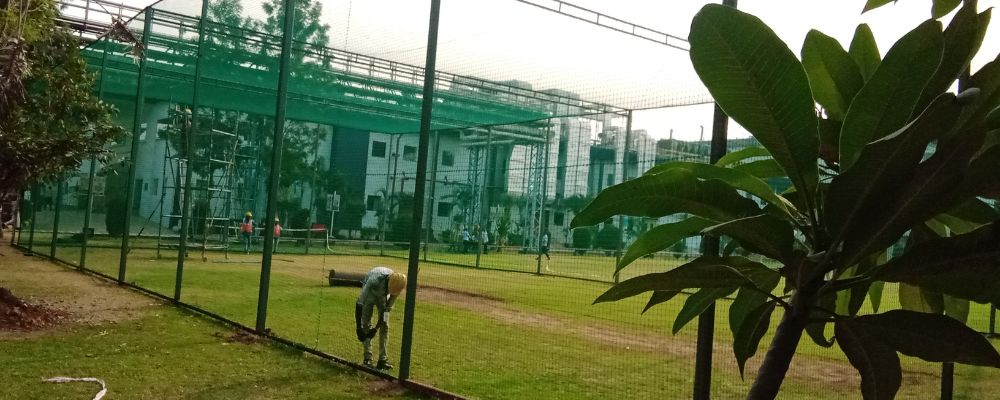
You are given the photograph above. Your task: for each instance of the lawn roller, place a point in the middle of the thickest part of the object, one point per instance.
(352, 279)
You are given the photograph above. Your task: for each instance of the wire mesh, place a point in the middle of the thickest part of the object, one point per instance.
(532, 119)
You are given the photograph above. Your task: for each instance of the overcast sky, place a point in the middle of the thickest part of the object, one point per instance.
(504, 39)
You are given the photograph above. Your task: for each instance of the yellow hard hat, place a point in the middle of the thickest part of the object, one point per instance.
(248, 214)
(397, 282)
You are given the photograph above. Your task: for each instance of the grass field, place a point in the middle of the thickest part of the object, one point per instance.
(144, 349)
(501, 335)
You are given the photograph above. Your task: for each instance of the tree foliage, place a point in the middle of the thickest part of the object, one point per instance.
(58, 122)
(890, 156)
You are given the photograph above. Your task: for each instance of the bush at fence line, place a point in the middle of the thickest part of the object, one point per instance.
(608, 237)
(582, 238)
(114, 219)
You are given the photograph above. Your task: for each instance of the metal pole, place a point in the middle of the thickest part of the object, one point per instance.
(947, 380)
(136, 125)
(189, 171)
(482, 196)
(418, 191)
(93, 171)
(34, 207)
(543, 221)
(430, 204)
(710, 246)
(275, 175)
(55, 217)
(993, 320)
(621, 218)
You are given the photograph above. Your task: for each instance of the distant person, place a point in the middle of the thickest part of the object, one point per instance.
(544, 246)
(466, 240)
(277, 233)
(246, 230)
(379, 290)
(486, 241)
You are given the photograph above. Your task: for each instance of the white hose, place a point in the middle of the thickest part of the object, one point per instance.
(63, 379)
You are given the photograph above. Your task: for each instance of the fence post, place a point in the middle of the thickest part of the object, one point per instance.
(188, 171)
(92, 174)
(418, 192)
(430, 205)
(34, 207)
(710, 246)
(543, 221)
(136, 125)
(275, 175)
(56, 211)
(621, 218)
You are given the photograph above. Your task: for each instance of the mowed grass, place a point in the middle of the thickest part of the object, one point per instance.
(147, 350)
(502, 335)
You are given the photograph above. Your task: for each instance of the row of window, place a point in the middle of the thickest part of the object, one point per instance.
(410, 153)
(374, 203)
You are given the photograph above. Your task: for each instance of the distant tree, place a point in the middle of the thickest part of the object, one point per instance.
(49, 119)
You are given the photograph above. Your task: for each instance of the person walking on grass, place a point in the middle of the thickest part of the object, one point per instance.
(246, 230)
(466, 239)
(379, 290)
(544, 246)
(277, 233)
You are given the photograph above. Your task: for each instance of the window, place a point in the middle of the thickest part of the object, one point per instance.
(444, 209)
(558, 218)
(378, 149)
(145, 187)
(409, 153)
(156, 186)
(611, 179)
(447, 158)
(374, 203)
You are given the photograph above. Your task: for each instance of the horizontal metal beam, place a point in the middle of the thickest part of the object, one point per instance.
(609, 22)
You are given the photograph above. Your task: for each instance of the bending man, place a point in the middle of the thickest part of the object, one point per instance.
(379, 289)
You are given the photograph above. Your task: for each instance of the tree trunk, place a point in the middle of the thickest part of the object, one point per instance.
(779, 357)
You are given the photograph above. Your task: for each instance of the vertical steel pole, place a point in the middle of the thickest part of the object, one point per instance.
(418, 191)
(993, 320)
(134, 153)
(621, 218)
(34, 208)
(275, 176)
(189, 171)
(430, 204)
(93, 170)
(483, 199)
(543, 220)
(710, 246)
(55, 218)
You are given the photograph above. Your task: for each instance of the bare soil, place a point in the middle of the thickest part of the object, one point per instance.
(56, 295)
(16, 315)
(382, 388)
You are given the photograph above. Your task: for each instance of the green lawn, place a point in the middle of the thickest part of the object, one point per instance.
(502, 335)
(156, 352)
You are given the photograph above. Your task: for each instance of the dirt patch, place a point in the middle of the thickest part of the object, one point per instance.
(16, 315)
(78, 298)
(240, 336)
(381, 388)
(461, 294)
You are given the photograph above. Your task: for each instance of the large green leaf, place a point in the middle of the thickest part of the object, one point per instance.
(762, 169)
(702, 272)
(956, 308)
(746, 301)
(987, 80)
(833, 76)
(975, 210)
(962, 39)
(762, 234)
(697, 303)
(873, 4)
(882, 169)
(965, 266)
(888, 99)
(940, 8)
(981, 178)
(742, 155)
(817, 330)
(914, 298)
(666, 193)
(662, 237)
(864, 51)
(931, 337)
(935, 187)
(875, 294)
(748, 336)
(878, 364)
(758, 82)
(739, 180)
(659, 297)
